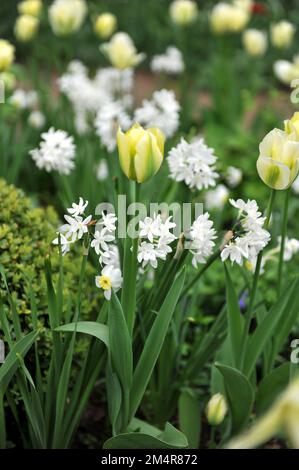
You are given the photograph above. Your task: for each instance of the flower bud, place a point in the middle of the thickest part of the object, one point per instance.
(282, 34)
(105, 25)
(228, 18)
(30, 7)
(140, 152)
(183, 12)
(291, 126)
(255, 42)
(26, 27)
(66, 16)
(216, 409)
(9, 80)
(278, 163)
(121, 51)
(7, 54)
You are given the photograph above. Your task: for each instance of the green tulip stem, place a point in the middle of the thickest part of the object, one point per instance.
(283, 237)
(128, 295)
(248, 315)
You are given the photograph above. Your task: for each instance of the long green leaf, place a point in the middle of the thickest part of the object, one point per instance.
(234, 319)
(240, 395)
(154, 343)
(189, 417)
(95, 329)
(271, 386)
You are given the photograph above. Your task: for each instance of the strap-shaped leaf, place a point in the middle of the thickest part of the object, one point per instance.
(273, 384)
(154, 343)
(98, 330)
(234, 319)
(239, 393)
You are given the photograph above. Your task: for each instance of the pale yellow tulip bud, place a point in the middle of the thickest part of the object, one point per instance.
(228, 18)
(183, 12)
(9, 80)
(66, 16)
(216, 409)
(141, 152)
(278, 163)
(282, 34)
(105, 25)
(7, 54)
(30, 7)
(291, 126)
(121, 51)
(255, 42)
(26, 27)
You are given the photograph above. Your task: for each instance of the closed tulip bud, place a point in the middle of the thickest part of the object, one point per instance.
(105, 25)
(183, 12)
(282, 34)
(7, 54)
(66, 16)
(227, 18)
(216, 409)
(278, 163)
(26, 27)
(255, 42)
(121, 51)
(141, 152)
(30, 7)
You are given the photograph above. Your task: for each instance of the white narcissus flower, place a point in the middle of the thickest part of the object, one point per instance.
(109, 119)
(233, 176)
(278, 163)
(250, 237)
(78, 209)
(36, 119)
(291, 248)
(63, 242)
(287, 71)
(216, 198)
(255, 42)
(101, 240)
(193, 163)
(56, 152)
(110, 279)
(102, 170)
(161, 111)
(121, 51)
(76, 227)
(171, 62)
(202, 235)
(282, 34)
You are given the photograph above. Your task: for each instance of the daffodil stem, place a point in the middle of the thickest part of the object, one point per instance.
(128, 297)
(249, 312)
(283, 237)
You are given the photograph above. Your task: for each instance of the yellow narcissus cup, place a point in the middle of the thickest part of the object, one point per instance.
(26, 27)
(105, 25)
(30, 7)
(141, 152)
(7, 55)
(278, 163)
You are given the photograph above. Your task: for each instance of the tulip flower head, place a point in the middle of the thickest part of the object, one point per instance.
(140, 152)
(216, 409)
(30, 7)
(105, 25)
(278, 163)
(26, 27)
(183, 12)
(7, 54)
(121, 51)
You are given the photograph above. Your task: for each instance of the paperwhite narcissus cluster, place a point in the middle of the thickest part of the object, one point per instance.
(30, 7)
(193, 163)
(155, 238)
(56, 152)
(249, 238)
(233, 176)
(141, 152)
(216, 198)
(202, 235)
(7, 54)
(122, 52)
(183, 12)
(228, 18)
(88, 95)
(26, 27)
(255, 42)
(216, 409)
(282, 417)
(171, 62)
(278, 163)
(282, 34)
(67, 16)
(110, 117)
(105, 25)
(161, 111)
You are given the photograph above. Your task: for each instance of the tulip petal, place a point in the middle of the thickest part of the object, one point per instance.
(125, 160)
(159, 136)
(143, 159)
(273, 173)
